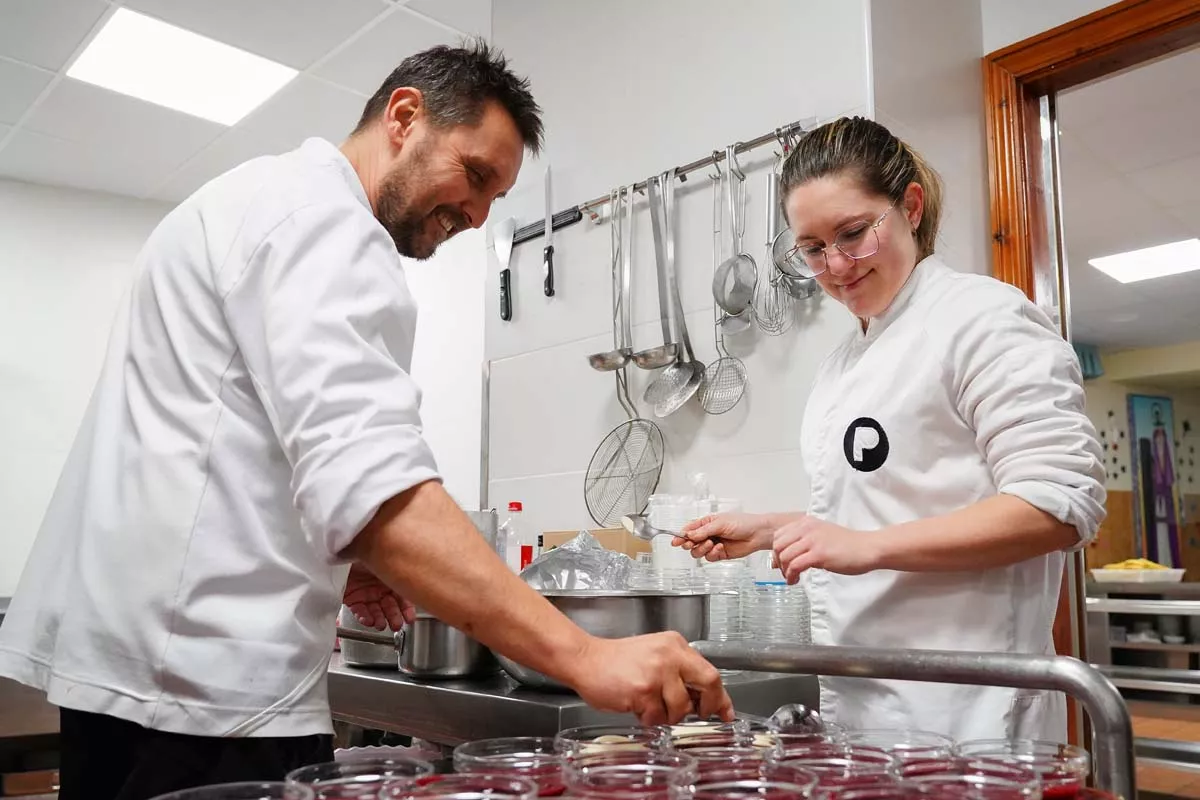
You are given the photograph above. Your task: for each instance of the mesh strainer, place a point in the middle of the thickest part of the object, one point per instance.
(724, 381)
(625, 468)
(734, 280)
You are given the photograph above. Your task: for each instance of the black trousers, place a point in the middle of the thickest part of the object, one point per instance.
(105, 758)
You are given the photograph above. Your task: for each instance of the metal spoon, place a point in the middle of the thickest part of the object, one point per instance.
(640, 527)
(796, 718)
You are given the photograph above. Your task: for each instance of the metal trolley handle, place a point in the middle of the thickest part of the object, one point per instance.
(1112, 746)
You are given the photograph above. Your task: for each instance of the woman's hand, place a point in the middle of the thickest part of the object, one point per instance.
(721, 536)
(809, 542)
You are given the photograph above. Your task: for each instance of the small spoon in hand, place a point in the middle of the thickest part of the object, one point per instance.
(640, 527)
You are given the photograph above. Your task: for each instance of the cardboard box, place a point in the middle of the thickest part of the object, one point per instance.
(618, 539)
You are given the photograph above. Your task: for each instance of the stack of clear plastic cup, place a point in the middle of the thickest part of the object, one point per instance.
(726, 581)
(778, 613)
(675, 566)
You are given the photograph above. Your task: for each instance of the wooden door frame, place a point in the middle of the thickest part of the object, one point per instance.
(1017, 77)
(1024, 254)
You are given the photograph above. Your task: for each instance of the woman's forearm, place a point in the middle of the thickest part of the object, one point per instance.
(995, 532)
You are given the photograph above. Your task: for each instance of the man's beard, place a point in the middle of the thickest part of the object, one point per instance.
(403, 224)
(394, 208)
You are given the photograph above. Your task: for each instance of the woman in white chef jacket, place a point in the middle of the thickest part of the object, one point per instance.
(950, 459)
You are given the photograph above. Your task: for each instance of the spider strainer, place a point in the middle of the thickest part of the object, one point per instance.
(626, 466)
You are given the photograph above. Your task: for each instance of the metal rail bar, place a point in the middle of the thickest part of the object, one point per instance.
(573, 214)
(1112, 746)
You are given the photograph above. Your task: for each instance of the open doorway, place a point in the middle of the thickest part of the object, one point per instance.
(1129, 192)
(1076, 174)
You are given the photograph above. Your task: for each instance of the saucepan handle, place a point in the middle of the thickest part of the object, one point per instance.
(373, 637)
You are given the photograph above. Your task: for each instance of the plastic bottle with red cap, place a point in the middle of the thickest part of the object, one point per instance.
(519, 542)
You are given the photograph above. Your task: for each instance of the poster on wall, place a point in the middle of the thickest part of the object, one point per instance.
(1152, 431)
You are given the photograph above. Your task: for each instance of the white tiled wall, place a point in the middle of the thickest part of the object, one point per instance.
(448, 356)
(932, 97)
(628, 88)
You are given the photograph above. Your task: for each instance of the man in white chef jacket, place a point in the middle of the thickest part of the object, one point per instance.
(254, 430)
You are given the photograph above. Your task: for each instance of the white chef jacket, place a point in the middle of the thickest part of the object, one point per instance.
(253, 411)
(960, 390)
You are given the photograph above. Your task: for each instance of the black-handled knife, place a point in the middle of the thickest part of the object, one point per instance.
(548, 251)
(506, 294)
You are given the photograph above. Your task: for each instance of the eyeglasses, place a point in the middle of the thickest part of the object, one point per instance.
(859, 241)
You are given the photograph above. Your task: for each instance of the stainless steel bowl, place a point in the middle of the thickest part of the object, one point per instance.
(615, 615)
(429, 649)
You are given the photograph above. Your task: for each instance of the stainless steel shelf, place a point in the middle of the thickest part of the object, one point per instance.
(1182, 590)
(1153, 679)
(457, 711)
(1111, 605)
(1159, 647)
(1168, 753)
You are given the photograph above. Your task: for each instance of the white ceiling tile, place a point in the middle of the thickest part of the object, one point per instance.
(106, 121)
(473, 17)
(19, 87)
(367, 61)
(292, 32)
(1173, 184)
(38, 158)
(1159, 83)
(1189, 215)
(4, 129)
(306, 107)
(46, 32)
(1132, 141)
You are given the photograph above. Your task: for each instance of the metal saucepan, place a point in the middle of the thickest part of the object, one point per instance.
(615, 615)
(427, 648)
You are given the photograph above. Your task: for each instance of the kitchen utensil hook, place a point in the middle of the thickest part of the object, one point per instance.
(734, 166)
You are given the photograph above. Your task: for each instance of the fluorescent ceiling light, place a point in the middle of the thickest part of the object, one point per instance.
(139, 56)
(1152, 262)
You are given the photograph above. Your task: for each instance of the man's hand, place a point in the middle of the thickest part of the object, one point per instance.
(422, 543)
(373, 603)
(809, 542)
(658, 677)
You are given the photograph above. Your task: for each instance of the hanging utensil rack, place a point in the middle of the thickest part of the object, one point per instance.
(591, 208)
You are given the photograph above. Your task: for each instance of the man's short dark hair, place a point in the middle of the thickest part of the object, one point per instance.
(457, 83)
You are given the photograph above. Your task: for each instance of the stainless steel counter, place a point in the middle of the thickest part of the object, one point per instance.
(452, 712)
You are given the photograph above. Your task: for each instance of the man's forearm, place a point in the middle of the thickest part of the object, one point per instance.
(995, 532)
(422, 545)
